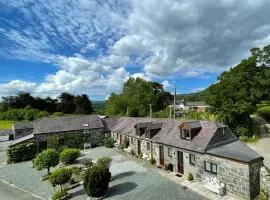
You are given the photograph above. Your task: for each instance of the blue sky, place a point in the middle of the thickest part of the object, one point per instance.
(92, 47)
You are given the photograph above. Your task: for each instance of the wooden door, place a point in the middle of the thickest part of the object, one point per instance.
(161, 155)
(180, 162)
(139, 147)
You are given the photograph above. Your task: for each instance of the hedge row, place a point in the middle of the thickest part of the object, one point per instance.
(22, 152)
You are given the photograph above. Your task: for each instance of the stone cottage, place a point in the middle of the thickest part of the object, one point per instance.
(90, 129)
(21, 129)
(205, 149)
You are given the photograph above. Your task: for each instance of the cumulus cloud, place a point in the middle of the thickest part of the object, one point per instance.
(16, 86)
(95, 46)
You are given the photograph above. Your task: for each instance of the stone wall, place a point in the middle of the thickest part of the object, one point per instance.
(19, 133)
(95, 135)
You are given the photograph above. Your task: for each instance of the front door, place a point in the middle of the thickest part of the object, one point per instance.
(180, 162)
(161, 155)
(120, 137)
(139, 147)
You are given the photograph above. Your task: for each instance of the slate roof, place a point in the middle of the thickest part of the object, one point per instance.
(235, 150)
(24, 125)
(67, 123)
(22, 139)
(195, 103)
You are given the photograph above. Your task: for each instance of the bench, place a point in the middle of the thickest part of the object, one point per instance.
(214, 185)
(128, 150)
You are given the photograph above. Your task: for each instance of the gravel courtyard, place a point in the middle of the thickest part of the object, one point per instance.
(131, 180)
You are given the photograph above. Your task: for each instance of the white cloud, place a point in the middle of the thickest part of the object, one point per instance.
(197, 89)
(167, 85)
(16, 86)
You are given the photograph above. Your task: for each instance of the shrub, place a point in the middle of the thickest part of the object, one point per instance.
(73, 140)
(108, 142)
(152, 161)
(87, 162)
(132, 152)
(22, 152)
(168, 167)
(96, 181)
(60, 176)
(105, 161)
(76, 172)
(264, 112)
(58, 114)
(69, 155)
(263, 194)
(46, 159)
(190, 177)
(42, 114)
(59, 194)
(126, 142)
(31, 114)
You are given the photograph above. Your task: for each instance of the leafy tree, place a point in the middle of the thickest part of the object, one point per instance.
(83, 105)
(69, 155)
(135, 98)
(66, 103)
(46, 159)
(60, 176)
(234, 97)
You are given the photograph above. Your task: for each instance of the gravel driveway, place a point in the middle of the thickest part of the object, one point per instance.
(131, 180)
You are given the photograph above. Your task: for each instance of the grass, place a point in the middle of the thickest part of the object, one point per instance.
(5, 124)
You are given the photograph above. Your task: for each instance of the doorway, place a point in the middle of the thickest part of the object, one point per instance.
(180, 162)
(161, 155)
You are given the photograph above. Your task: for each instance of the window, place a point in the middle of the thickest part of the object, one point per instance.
(185, 134)
(131, 140)
(170, 152)
(192, 160)
(210, 167)
(148, 145)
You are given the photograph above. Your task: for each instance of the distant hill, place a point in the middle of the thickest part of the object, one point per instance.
(198, 96)
(99, 105)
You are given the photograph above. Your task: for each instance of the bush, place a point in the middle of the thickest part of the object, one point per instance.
(190, 177)
(132, 152)
(152, 161)
(60, 176)
(22, 152)
(108, 142)
(69, 155)
(105, 162)
(42, 114)
(168, 167)
(126, 142)
(96, 181)
(264, 112)
(46, 159)
(59, 194)
(87, 162)
(31, 114)
(58, 114)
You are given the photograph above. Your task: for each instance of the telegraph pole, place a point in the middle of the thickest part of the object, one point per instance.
(174, 102)
(150, 110)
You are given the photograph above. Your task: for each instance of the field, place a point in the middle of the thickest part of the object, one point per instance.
(5, 124)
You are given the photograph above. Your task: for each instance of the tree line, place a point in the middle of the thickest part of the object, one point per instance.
(24, 106)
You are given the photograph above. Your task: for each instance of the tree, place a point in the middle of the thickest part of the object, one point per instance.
(83, 105)
(96, 180)
(60, 176)
(234, 97)
(46, 159)
(66, 103)
(135, 98)
(68, 156)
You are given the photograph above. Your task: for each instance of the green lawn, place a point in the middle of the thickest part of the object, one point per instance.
(5, 124)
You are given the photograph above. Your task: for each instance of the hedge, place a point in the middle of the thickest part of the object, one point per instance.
(22, 152)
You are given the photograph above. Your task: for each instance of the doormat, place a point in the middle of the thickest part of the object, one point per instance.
(178, 175)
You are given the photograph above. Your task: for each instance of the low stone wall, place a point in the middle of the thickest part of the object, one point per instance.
(265, 179)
